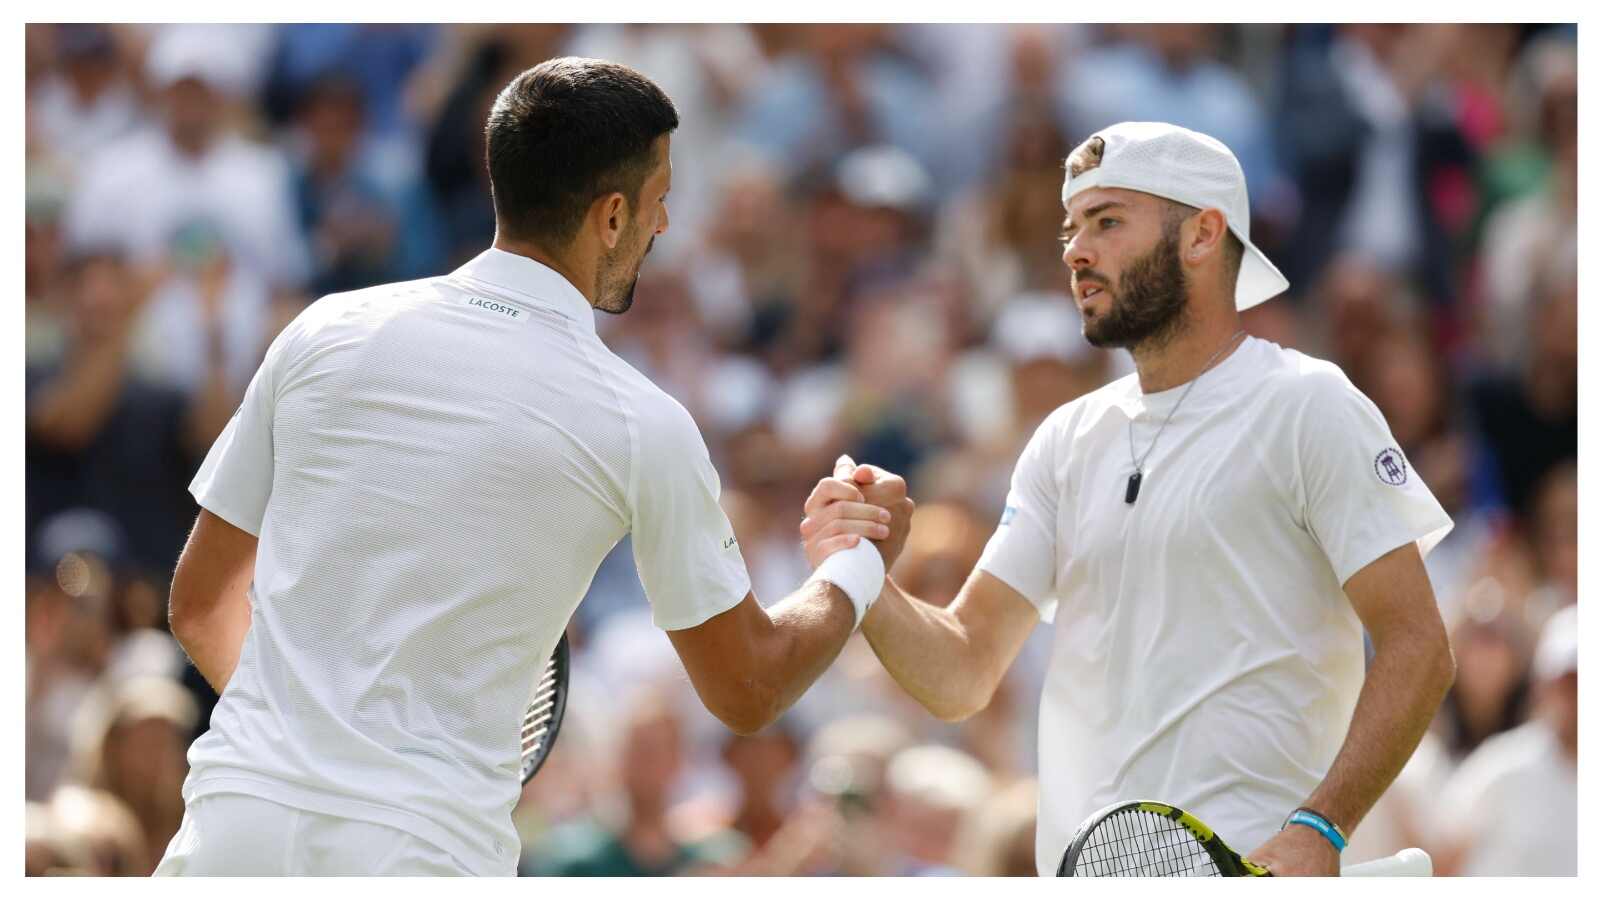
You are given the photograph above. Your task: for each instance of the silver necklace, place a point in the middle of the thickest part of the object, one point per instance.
(1137, 477)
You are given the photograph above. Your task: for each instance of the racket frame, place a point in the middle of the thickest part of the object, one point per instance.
(1228, 862)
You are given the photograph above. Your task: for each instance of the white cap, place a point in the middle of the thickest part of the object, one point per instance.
(1190, 168)
(200, 52)
(1558, 645)
(1041, 325)
(884, 176)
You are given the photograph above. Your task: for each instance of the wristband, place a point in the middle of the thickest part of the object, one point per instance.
(857, 571)
(1320, 823)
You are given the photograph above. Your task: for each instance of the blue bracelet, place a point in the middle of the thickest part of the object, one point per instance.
(1322, 826)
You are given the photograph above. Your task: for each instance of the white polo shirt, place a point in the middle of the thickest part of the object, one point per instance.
(1206, 655)
(435, 469)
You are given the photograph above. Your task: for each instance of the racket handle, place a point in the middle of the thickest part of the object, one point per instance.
(1413, 862)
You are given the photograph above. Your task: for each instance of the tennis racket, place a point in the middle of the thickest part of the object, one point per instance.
(1145, 839)
(543, 718)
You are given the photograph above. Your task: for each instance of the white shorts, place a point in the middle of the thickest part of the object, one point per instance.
(237, 834)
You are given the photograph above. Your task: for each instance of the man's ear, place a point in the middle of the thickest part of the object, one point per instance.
(608, 215)
(1203, 235)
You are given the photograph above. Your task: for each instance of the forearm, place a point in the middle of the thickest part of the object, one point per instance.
(1403, 689)
(802, 636)
(71, 410)
(928, 652)
(214, 639)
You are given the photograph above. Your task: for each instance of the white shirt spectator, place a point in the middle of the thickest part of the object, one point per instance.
(435, 469)
(1514, 803)
(142, 192)
(1206, 655)
(75, 129)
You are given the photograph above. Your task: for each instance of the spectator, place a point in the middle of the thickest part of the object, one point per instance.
(1491, 676)
(91, 102)
(191, 168)
(361, 231)
(105, 828)
(466, 79)
(1363, 144)
(849, 761)
(102, 435)
(379, 57)
(131, 743)
(204, 195)
(1532, 196)
(842, 88)
(932, 789)
(1530, 417)
(1169, 73)
(648, 764)
(1514, 802)
(997, 838)
(1003, 235)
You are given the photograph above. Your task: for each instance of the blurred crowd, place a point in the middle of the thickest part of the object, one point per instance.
(191, 188)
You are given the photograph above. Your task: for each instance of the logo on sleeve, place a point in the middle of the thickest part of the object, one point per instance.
(1009, 514)
(1390, 467)
(728, 544)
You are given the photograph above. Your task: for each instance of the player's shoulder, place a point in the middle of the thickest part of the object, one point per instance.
(663, 423)
(338, 315)
(1287, 375)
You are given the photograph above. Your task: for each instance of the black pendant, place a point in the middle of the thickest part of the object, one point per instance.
(1133, 487)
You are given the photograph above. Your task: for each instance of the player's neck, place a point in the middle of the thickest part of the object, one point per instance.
(1183, 357)
(584, 278)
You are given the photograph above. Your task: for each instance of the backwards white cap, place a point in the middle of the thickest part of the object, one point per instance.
(1190, 168)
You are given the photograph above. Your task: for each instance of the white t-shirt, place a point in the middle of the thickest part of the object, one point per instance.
(1514, 803)
(1207, 656)
(435, 469)
(140, 192)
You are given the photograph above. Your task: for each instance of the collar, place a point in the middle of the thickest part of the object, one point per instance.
(1134, 401)
(529, 279)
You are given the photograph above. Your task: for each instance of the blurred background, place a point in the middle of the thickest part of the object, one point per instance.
(190, 189)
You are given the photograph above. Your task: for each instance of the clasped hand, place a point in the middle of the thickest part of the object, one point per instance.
(857, 502)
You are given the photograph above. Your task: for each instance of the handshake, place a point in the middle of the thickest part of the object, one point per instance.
(857, 502)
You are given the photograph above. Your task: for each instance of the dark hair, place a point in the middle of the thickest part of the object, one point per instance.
(564, 133)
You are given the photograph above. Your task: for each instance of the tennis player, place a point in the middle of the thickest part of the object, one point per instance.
(414, 496)
(1216, 530)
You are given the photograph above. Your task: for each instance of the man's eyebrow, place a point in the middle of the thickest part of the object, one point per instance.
(1066, 224)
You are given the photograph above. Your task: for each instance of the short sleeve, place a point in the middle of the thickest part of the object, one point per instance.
(1361, 497)
(1022, 551)
(235, 480)
(688, 558)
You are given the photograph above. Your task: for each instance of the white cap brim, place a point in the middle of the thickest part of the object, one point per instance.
(1259, 279)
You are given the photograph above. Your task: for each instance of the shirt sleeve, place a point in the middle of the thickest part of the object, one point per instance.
(1022, 551)
(235, 480)
(688, 558)
(1361, 498)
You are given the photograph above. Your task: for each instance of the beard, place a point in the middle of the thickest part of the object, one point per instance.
(1149, 303)
(619, 279)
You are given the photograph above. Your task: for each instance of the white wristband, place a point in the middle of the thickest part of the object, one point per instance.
(858, 571)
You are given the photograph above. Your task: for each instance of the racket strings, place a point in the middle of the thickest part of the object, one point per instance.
(1139, 843)
(541, 711)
